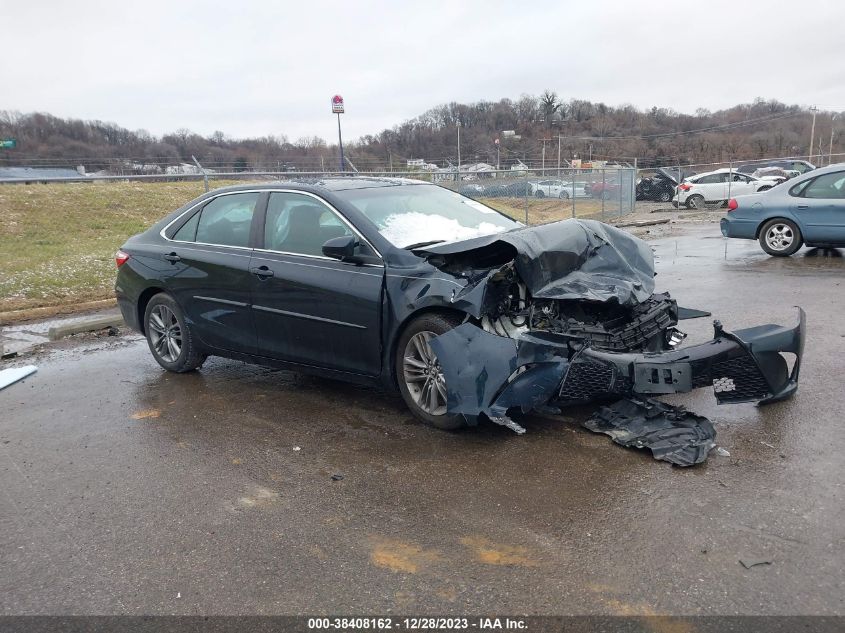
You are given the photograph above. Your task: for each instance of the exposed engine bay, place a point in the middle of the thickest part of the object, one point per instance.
(566, 313)
(643, 327)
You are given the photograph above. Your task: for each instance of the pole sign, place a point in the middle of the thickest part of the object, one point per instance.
(337, 104)
(8, 143)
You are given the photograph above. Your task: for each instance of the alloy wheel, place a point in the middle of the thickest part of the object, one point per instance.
(779, 237)
(423, 375)
(165, 333)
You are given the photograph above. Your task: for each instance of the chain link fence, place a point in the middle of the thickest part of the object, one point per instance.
(738, 176)
(533, 196)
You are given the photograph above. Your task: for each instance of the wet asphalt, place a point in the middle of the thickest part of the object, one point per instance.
(242, 490)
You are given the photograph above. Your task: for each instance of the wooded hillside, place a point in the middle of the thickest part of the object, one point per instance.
(655, 137)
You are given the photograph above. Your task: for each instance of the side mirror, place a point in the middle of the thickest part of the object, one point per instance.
(342, 248)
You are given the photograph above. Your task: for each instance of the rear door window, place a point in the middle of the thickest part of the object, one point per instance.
(226, 220)
(188, 232)
(712, 179)
(829, 186)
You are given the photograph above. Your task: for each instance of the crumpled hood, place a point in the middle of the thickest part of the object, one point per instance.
(572, 259)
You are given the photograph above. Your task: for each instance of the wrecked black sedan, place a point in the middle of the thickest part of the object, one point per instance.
(415, 287)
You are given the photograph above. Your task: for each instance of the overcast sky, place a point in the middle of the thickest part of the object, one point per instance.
(258, 68)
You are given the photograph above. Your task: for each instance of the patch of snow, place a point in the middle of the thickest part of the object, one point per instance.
(412, 228)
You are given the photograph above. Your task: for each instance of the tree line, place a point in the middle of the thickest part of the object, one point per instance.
(576, 128)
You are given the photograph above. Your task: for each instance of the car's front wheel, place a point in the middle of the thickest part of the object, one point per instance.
(419, 374)
(540, 194)
(169, 336)
(564, 195)
(780, 237)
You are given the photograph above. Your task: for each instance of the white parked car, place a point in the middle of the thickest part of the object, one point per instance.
(713, 187)
(557, 189)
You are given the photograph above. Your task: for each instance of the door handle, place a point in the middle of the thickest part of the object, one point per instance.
(803, 206)
(172, 257)
(262, 272)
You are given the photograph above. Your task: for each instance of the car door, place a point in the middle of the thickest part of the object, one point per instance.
(309, 308)
(819, 206)
(208, 253)
(712, 187)
(740, 185)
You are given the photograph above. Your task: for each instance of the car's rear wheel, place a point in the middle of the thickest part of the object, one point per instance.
(540, 193)
(418, 371)
(665, 196)
(564, 195)
(780, 237)
(695, 202)
(169, 336)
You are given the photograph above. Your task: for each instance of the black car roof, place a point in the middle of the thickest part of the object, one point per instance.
(337, 183)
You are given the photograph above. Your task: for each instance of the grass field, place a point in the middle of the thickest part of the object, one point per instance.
(57, 241)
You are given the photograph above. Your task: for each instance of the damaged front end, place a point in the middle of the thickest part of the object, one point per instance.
(566, 313)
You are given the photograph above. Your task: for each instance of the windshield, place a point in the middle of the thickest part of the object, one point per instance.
(416, 214)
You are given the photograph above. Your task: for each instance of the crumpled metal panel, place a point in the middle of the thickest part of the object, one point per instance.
(477, 365)
(673, 434)
(572, 259)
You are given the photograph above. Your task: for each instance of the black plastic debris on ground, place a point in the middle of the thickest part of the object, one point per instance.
(673, 434)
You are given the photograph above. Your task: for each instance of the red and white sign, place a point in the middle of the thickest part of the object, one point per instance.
(337, 104)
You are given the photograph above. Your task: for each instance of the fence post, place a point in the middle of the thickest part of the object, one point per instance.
(603, 183)
(730, 175)
(634, 187)
(526, 196)
(573, 194)
(204, 173)
(619, 182)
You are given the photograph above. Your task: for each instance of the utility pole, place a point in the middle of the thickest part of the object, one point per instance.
(544, 141)
(496, 141)
(459, 151)
(814, 109)
(830, 145)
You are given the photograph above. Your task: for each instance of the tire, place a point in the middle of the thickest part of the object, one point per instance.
(411, 366)
(170, 338)
(695, 202)
(564, 195)
(539, 194)
(664, 196)
(605, 195)
(780, 237)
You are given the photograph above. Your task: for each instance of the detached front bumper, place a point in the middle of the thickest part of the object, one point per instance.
(743, 366)
(490, 374)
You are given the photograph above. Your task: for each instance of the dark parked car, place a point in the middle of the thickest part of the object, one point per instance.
(414, 287)
(655, 188)
(661, 186)
(808, 209)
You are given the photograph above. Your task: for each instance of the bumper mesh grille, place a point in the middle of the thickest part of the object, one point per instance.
(738, 380)
(585, 381)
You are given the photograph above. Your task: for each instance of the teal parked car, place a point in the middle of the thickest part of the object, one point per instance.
(805, 210)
